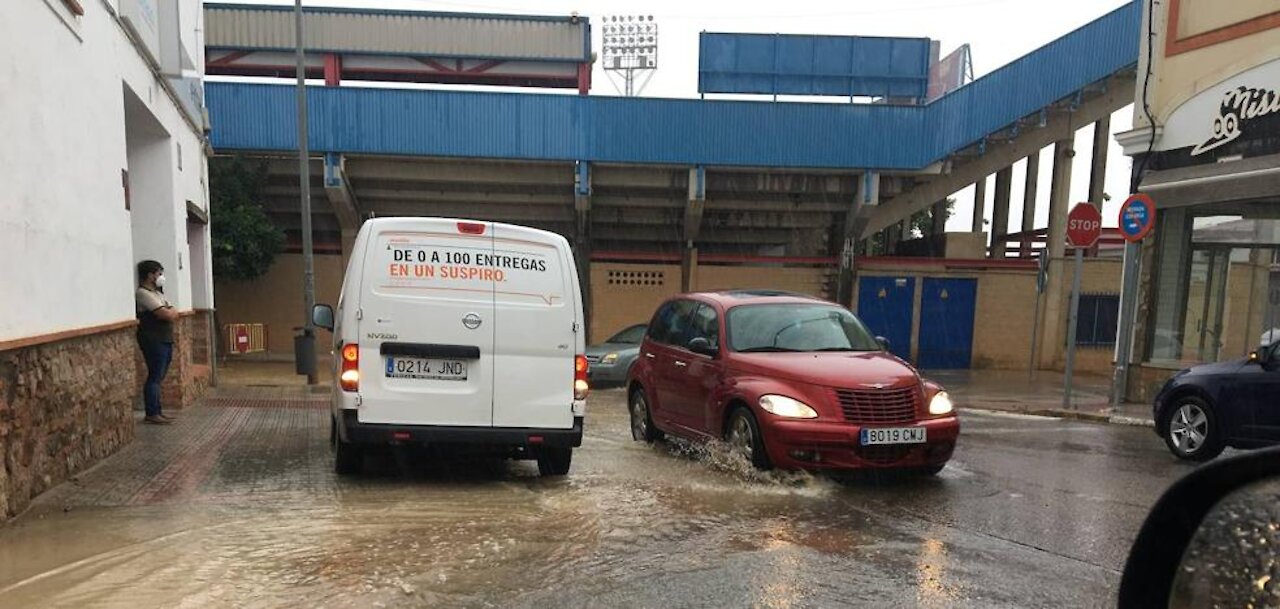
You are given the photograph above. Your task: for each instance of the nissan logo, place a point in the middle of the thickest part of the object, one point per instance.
(471, 321)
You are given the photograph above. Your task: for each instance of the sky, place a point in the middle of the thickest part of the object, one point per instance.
(998, 31)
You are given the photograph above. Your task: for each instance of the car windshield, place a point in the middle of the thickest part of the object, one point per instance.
(630, 336)
(792, 327)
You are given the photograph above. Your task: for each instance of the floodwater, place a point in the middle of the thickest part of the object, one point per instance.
(236, 506)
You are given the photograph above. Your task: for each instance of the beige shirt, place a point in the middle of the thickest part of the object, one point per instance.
(148, 300)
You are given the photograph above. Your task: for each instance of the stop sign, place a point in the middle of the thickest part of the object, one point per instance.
(1084, 224)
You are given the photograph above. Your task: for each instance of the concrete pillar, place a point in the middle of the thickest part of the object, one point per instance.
(1098, 167)
(582, 238)
(1053, 330)
(892, 237)
(1029, 201)
(1000, 215)
(692, 225)
(979, 203)
(939, 219)
(866, 196)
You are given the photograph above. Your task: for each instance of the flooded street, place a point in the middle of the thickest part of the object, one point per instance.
(236, 505)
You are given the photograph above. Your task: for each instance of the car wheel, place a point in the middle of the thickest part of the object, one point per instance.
(743, 437)
(554, 461)
(1192, 431)
(642, 429)
(348, 458)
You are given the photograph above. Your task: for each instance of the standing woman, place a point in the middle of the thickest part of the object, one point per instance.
(155, 335)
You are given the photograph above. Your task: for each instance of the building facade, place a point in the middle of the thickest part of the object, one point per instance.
(1206, 147)
(103, 157)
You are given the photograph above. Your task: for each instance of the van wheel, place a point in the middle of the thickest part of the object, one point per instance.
(348, 458)
(743, 437)
(642, 429)
(554, 461)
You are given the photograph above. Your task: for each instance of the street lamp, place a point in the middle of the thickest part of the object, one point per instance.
(630, 48)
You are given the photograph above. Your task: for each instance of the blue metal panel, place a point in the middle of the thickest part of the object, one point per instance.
(675, 131)
(946, 323)
(1025, 86)
(885, 305)
(813, 65)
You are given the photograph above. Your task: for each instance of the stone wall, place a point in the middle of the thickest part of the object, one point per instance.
(64, 406)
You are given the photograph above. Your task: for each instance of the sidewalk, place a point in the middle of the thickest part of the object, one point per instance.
(1041, 394)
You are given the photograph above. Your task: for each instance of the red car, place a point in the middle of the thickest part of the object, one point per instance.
(788, 381)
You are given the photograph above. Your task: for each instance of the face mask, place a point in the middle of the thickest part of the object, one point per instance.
(160, 281)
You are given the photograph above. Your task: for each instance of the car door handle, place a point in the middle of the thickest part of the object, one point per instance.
(681, 364)
(649, 355)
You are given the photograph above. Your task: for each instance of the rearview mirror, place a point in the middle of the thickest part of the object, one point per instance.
(884, 343)
(322, 316)
(1208, 537)
(703, 346)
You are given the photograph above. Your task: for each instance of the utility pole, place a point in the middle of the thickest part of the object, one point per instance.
(305, 345)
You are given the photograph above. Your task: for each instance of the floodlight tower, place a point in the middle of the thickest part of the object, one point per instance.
(630, 48)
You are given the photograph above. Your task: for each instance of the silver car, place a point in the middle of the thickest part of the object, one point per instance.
(611, 360)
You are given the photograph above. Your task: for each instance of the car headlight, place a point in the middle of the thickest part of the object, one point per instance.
(609, 359)
(784, 406)
(941, 404)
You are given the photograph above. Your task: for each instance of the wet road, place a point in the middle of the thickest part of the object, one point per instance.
(237, 506)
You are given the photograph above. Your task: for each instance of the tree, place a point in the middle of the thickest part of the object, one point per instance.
(242, 237)
(919, 225)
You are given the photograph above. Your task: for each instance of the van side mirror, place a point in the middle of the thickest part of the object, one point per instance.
(702, 346)
(322, 316)
(884, 343)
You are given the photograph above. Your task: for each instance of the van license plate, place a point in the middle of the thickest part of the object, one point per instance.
(892, 435)
(426, 369)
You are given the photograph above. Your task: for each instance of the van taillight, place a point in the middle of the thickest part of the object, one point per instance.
(580, 385)
(349, 376)
(471, 228)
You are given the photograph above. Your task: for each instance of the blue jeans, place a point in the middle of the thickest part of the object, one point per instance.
(157, 356)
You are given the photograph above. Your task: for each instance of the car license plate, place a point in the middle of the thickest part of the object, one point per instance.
(892, 435)
(426, 369)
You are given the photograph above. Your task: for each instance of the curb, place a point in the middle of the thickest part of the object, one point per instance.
(1075, 415)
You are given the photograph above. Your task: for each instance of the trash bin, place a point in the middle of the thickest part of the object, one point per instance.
(304, 352)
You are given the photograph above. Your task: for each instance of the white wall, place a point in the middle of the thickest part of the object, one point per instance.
(65, 234)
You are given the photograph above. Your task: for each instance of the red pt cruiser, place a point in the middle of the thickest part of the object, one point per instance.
(787, 381)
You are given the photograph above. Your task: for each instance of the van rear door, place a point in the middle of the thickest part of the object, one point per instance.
(535, 307)
(427, 327)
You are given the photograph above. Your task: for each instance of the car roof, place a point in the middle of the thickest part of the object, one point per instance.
(731, 298)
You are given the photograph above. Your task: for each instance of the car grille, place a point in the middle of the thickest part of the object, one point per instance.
(879, 406)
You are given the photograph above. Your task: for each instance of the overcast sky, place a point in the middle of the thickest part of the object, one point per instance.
(998, 31)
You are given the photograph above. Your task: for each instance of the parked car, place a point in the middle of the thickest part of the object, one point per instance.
(611, 360)
(787, 381)
(1206, 408)
(458, 332)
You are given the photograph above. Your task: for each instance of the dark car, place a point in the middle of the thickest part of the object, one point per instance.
(611, 360)
(1204, 409)
(787, 381)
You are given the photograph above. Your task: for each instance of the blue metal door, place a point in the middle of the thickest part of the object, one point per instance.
(946, 323)
(885, 304)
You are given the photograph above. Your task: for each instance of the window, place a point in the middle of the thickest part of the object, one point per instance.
(790, 327)
(705, 324)
(1096, 323)
(671, 322)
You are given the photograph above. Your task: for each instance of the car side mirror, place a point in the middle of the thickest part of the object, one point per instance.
(1185, 549)
(702, 346)
(322, 316)
(884, 343)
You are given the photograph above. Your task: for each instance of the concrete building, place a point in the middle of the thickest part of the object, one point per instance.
(102, 114)
(1206, 147)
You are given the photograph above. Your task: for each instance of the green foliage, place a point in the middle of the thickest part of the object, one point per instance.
(243, 239)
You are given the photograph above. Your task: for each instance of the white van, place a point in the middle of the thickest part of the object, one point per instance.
(458, 334)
